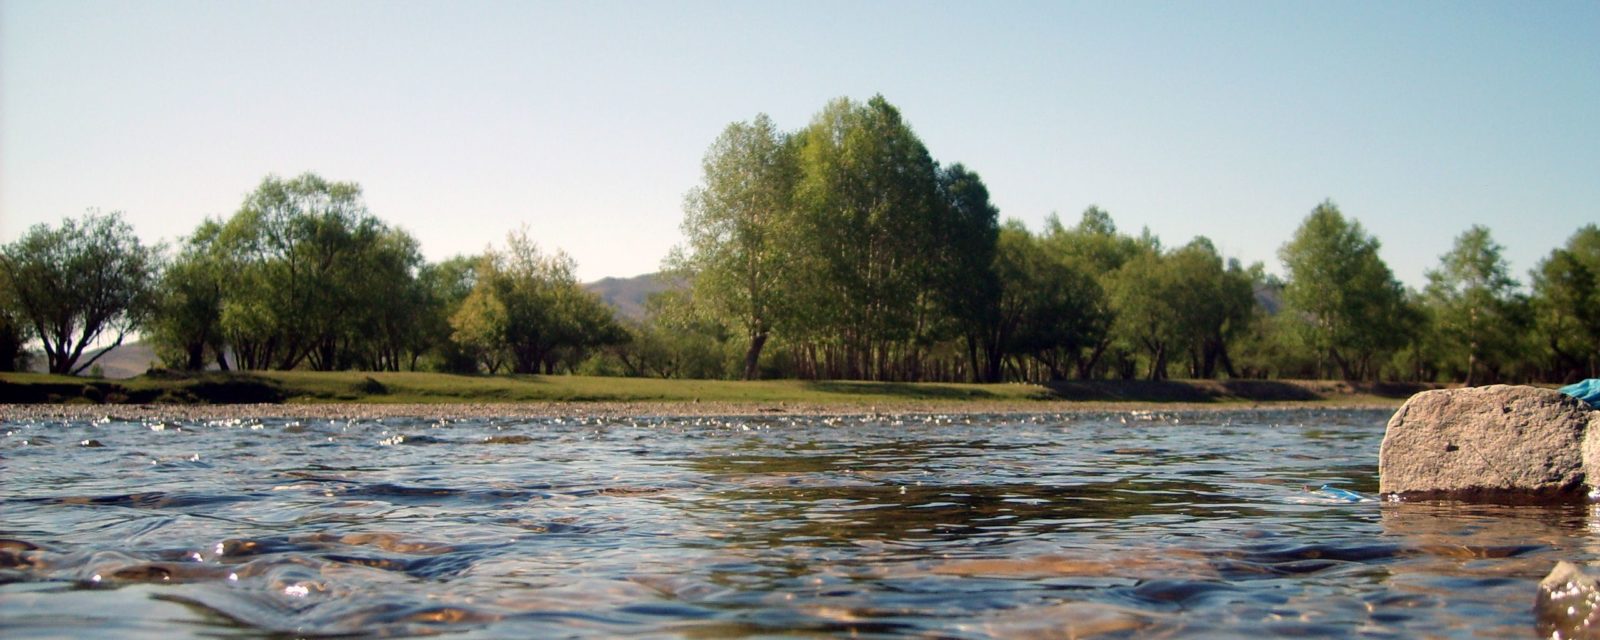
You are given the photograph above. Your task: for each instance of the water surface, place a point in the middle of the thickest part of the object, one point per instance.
(1116, 525)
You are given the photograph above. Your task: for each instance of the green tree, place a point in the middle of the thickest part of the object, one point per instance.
(1045, 307)
(445, 287)
(1215, 302)
(1148, 298)
(14, 332)
(86, 281)
(1476, 305)
(736, 224)
(678, 339)
(289, 242)
(1566, 305)
(965, 268)
(186, 326)
(479, 326)
(1093, 246)
(314, 278)
(868, 224)
(527, 307)
(1345, 299)
(382, 328)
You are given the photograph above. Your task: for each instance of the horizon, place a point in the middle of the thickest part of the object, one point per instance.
(588, 122)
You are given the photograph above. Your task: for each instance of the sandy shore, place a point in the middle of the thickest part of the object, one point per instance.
(135, 412)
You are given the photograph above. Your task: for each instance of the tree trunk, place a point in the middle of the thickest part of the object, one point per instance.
(752, 356)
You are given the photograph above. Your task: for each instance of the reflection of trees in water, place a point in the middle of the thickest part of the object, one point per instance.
(800, 504)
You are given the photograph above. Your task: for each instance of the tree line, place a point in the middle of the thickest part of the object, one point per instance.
(841, 250)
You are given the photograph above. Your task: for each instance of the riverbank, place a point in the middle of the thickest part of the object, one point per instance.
(302, 394)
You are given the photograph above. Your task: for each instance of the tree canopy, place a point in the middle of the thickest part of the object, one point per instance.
(1345, 296)
(87, 280)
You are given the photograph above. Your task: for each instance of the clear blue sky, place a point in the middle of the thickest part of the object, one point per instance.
(587, 121)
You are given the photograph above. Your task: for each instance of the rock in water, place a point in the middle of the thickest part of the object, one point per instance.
(1502, 443)
(1568, 604)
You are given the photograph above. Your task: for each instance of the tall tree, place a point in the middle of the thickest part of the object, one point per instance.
(1045, 306)
(1215, 300)
(14, 331)
(1566, 302)
(187, 324)
(1094, 246)
(965, 267)
(86, 281)
(1476, 304)
(737, 225)
(445, 287)
(868, 220)
(1149, 300)
(1347, 299)
(316, 279)
(289, 241)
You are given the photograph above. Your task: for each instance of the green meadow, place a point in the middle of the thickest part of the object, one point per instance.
(303, 387)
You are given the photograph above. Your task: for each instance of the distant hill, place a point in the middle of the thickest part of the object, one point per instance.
(628, 295)
(129, 360)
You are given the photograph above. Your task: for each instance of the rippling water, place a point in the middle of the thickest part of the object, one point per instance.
(1124, 524)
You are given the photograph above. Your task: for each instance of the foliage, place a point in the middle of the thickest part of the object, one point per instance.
(1566, 306)
(445, 287)
(1048, 307)
(738, 254)
(88, 280)
(186, 328)
(527, 310)
(1475, 307)
(867, 225)
(14, 332)
(838, 251)
(316, 279)
(1347, 300)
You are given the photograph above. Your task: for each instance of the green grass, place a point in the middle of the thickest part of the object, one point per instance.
(380, 387)
(430, 388)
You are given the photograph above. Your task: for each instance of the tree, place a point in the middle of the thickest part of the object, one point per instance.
(1566, 304)
(445, 287)
(527, 308)
(1475, 304)
(965, 268)
(14, 332)
(480, 326)
(1346, 299)
(868, 224)
(314, 278)
(1215, 301)
(736, 223)
(187, 323)
(76, 285)
(1045, 305)
(1094, 247)
(1148, 298)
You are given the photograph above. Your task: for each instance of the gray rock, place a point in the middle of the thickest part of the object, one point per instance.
(1568, 604)
(1500, 443)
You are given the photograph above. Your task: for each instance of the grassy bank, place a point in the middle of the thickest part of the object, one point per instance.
(302, 387)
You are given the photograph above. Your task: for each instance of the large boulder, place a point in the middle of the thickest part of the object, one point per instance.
(1500, 443)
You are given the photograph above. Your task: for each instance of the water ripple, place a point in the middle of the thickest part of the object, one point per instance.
(1147, 524)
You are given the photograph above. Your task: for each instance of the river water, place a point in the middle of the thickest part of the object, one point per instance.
(1143, 524)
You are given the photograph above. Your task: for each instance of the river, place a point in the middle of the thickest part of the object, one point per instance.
(1122, 524)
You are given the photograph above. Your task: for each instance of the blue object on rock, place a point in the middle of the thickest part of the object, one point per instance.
(1587, 391)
